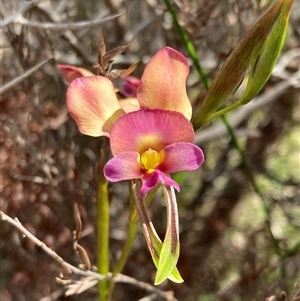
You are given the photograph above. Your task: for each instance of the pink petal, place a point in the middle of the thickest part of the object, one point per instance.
(163, 84)
(180, 157)
(129, 104)
(143, 129)
(71, 72)
(124, 166)
(92, 102)
(149, 181)
(130, 85)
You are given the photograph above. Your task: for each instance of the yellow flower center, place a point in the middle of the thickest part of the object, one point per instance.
(150, 159)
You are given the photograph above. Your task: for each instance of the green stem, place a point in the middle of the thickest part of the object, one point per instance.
(189, 45)
(131, 234)
(103, 231)
(193, 54)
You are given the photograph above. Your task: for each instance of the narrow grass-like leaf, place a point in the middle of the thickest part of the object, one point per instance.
(246, 53)
(263, 64)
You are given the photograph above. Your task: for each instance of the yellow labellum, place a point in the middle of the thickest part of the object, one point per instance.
(150, 159)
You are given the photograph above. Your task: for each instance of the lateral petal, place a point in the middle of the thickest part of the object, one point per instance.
(124, 166)
(181, 157)
(163, 84)
(143, 129)
(92, 103)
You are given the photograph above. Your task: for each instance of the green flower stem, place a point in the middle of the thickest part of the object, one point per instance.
(103, 231)
(189, 46)
(193, 54)
(131, 234)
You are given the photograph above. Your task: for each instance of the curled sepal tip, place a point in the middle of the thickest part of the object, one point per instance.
(170, 250)
(155, 245)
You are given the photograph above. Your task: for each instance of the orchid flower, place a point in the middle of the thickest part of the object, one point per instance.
(151, 137)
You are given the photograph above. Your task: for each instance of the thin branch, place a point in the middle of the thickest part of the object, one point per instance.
(280, 69)
(15, 222)
(46, 160)
(55, 16)
(54, 296)
(24, 6)
(132, 33)
(227, 293)
(239, 115)
(65, 26)
(19, 79)
(32, 179)
(151, 297)
(84, 273)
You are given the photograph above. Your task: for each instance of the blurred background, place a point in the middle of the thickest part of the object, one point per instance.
(234, 246)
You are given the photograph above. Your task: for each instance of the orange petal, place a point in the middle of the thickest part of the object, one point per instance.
(71, 72)
(93, 104)
(163, 84)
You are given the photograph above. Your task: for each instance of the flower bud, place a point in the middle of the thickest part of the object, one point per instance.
(258, 52)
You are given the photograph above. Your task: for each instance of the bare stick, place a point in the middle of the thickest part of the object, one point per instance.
(17, 80)
(54, 296)
(65, 26)
(24, 6)
(85, 273)
(15, 222)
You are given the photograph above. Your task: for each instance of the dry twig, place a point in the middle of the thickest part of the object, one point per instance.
(93, 277)
(24, 6)
(65, 26)
(19, 79)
